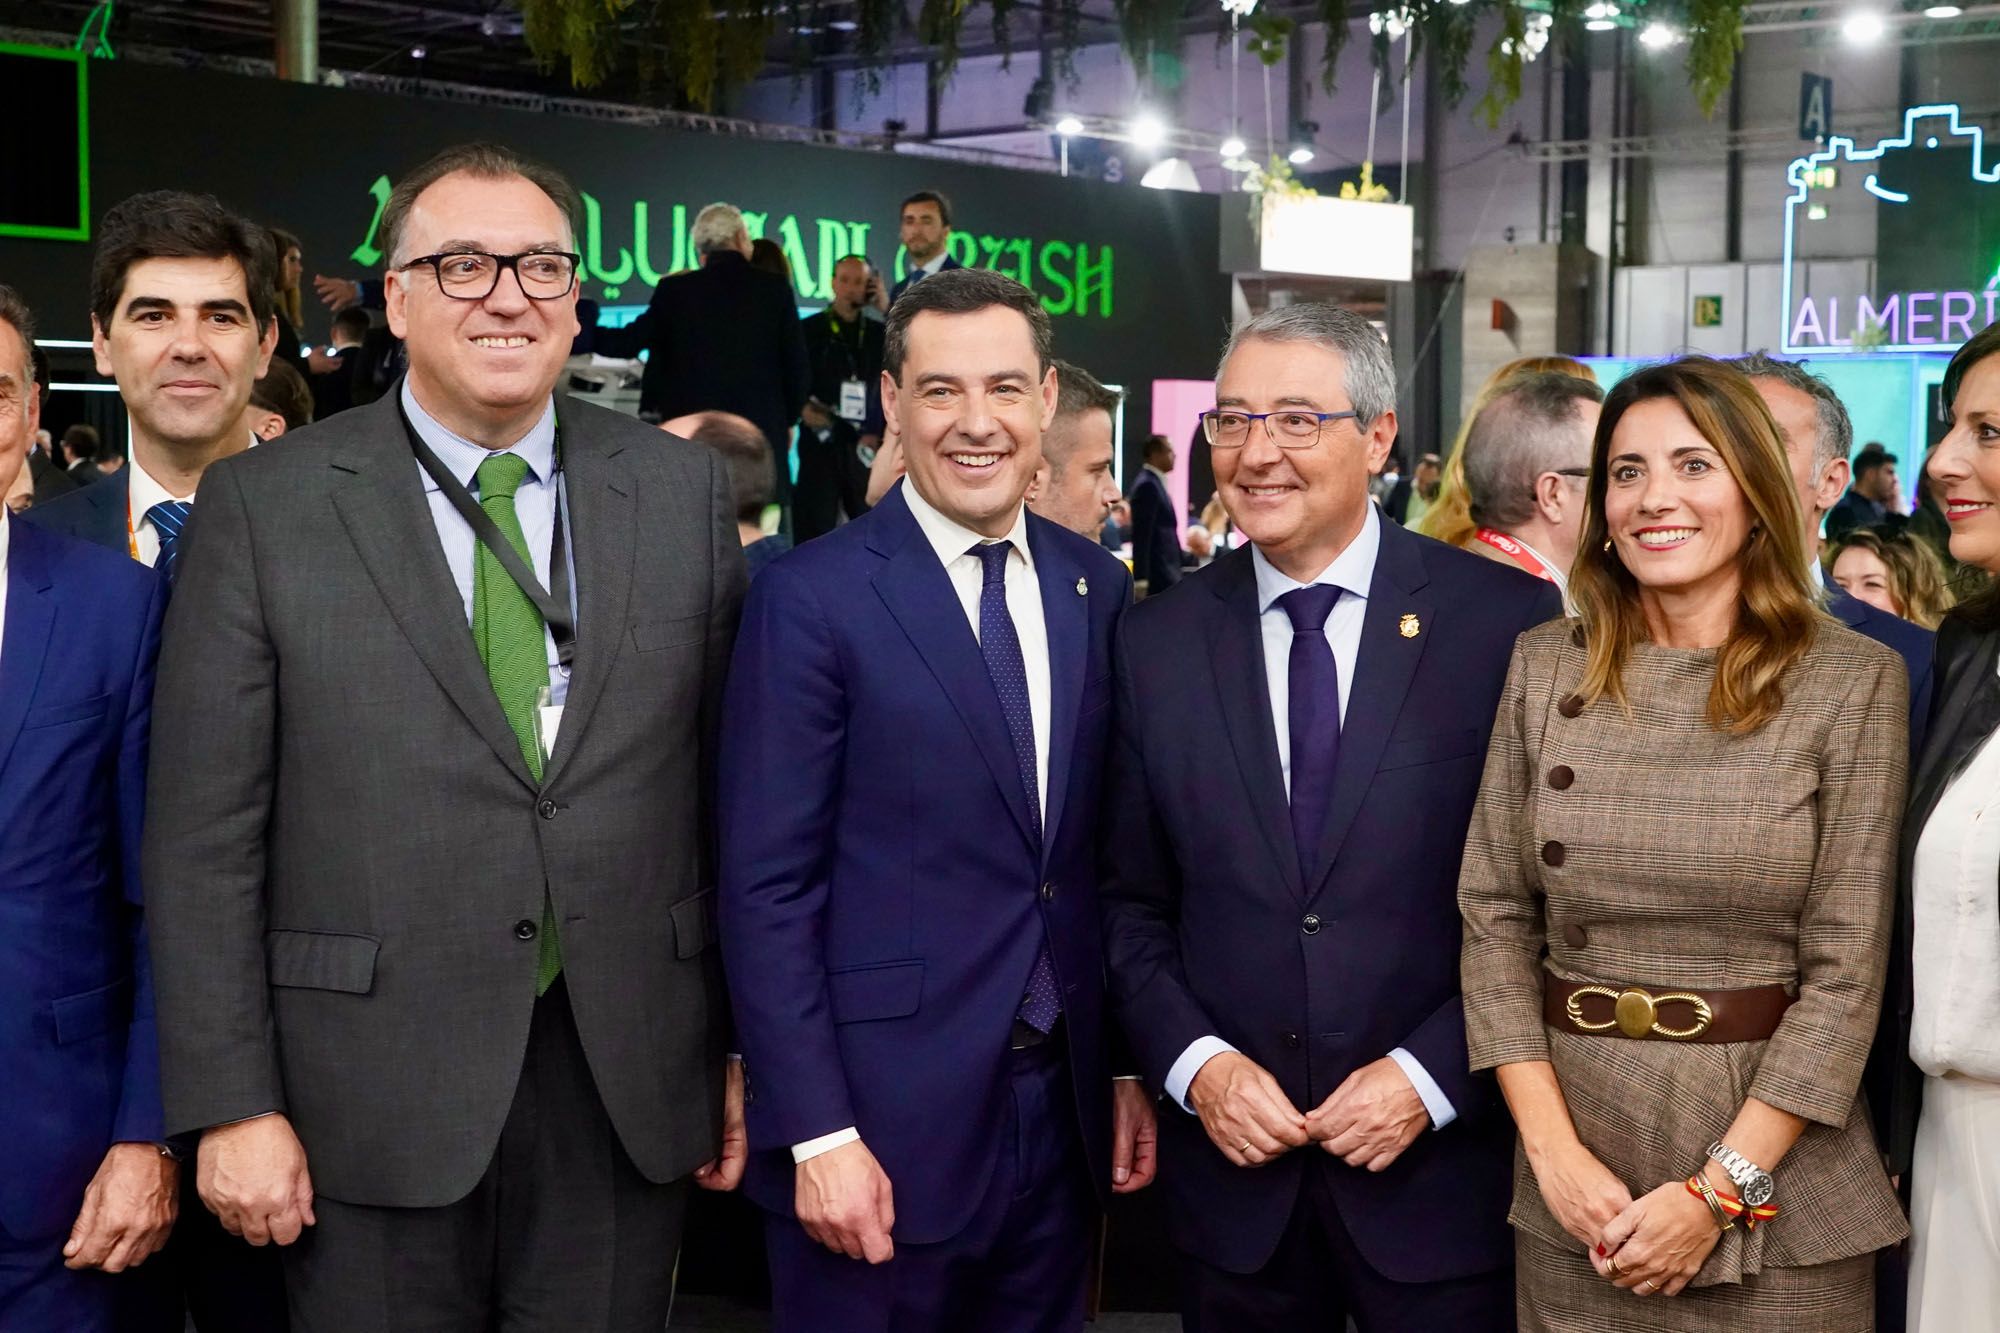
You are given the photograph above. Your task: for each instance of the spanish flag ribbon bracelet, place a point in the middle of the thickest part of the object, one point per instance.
(1732, 1205)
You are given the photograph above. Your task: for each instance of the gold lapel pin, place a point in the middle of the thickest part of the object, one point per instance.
(1410, 627)
(1083, 587)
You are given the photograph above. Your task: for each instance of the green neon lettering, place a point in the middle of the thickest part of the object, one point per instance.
(367, 254)
(594, 246)
(642, 243)
(1055, 259)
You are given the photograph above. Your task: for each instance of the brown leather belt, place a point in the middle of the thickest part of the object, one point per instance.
(1643, 1014)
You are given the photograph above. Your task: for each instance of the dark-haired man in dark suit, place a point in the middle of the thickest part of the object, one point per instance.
(924, 224)
(1284, 943)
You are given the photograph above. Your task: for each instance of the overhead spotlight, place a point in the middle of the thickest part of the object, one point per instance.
(1069, 127)
(1943, 12)
(1300, 155)
(1599, 25)
(1863, 27)
(418, 52)
(1149, 131)
(1171, 173)
(1601, 11)
(1658, 37)
(1233, 147)
(843, 25)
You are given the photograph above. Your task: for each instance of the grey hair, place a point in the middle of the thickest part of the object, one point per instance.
(1835, 436)
(1369, 372)
(15, 313)
(716, 228)
(1531, 426)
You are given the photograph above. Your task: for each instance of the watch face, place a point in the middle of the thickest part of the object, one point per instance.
(1758, 1190)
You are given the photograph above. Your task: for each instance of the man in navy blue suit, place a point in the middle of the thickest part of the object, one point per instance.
(1817, 434)
(1284, 936)
(915, 724)
(924, 225)
(181, 316)
(88, 1191)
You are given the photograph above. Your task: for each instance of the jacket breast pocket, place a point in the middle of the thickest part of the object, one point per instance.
(694, 923)
(876, 990)
(92, 1013)
(321, 960)
(650, 636)
(1432, 749)
(76, 710)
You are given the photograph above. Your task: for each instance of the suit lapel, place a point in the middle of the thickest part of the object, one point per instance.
(601, 535)
(918, 593)
(390, 524)
(1066, 614)
(112, 503)
(1236, 656)
(31, 615)
(1964, 722)
(1383, 670)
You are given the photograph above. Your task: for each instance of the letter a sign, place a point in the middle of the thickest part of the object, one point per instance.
(1815, 107)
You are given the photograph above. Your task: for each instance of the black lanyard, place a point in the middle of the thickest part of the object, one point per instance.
(554, 607)
(851, 349)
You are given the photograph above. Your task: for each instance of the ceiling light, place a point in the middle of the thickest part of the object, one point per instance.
(418, 53)
(1600, 25)
(1149, 131)
(1943, 12)
(1658, 37)
(1233, 147)
(1300, 155)
(1069, 127)
(1863, 27)
(1601, 11)
(843, 25)
(1171, 173)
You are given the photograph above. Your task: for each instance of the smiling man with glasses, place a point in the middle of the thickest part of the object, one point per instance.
(1527, 458)
(1283, 948)
(432, 927)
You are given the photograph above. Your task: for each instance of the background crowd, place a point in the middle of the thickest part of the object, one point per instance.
(1552, 888)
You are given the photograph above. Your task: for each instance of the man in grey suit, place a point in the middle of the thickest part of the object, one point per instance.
(433, 908)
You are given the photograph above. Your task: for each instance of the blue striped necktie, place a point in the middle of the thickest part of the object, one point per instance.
(1000, 644)
(168, 517)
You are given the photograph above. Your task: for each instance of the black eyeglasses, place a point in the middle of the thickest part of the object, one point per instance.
(1288, 430)
(472, 275)
(1571, 471)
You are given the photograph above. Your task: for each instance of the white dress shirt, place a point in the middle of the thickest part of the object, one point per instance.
(1352, 571)
(1955, 1026)
(934, 267)
(953, 544)
(145, 493)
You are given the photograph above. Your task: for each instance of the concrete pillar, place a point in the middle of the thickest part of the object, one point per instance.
(295, 24)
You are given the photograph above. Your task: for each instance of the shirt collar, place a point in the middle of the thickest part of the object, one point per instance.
(1556, 571)
(937, 263)
(1352, 571)
(951, 539)
(6, 521)
(461, 457)
(1155, 471)
(146, 492)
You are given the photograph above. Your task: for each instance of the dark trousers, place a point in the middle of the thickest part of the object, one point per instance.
(222, 1282)
(37, 1292)
(561, 1235)
(1317, 1280)
(1017, 1267)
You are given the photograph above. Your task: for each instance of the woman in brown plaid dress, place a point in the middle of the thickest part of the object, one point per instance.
(1677, 892)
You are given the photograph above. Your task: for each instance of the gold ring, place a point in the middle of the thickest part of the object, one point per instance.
(1650, 1285)
(1245, 1149)
(1611, 1266)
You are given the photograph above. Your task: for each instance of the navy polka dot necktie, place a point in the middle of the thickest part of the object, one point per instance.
(1001, 646)
(168, 517)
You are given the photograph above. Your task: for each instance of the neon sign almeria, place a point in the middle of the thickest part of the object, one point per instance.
(1912, 321)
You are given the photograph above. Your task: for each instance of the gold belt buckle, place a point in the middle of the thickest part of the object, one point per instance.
(1635, 1011)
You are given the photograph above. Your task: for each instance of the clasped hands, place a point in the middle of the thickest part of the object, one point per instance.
(1367, 1122)
(1652, 1245)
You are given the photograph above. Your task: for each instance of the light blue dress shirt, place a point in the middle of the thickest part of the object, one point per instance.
(534, 504)
(1352, 571)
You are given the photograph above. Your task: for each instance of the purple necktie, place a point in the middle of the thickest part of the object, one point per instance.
(1001, 647)
(1315, 716)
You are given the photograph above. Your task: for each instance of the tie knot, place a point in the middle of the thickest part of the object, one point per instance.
(994, 555)
(168, 517)
(1309, 607)
(500, 476)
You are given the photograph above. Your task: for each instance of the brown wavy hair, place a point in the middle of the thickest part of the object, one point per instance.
(1449, 519)
(1778, 616)
(1916, 575)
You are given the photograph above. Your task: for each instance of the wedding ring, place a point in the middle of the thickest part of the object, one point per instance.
(1650, 1286)
(1245, 1149)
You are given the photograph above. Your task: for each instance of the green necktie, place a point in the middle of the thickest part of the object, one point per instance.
(509, 632)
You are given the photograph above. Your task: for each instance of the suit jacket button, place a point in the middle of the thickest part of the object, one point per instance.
(1292, 1040)
(1553, 853)
(524, 929)
(1571, 705)
(1310, 925)
(1575, 936)
(1561, 776)
(547, 809)
(1048, 893)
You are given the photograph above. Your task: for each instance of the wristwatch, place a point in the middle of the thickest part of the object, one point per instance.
(1753, 1183)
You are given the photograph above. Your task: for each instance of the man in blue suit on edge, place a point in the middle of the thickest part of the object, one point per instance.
(1284, 933)
(916, 722)
(88, 1190)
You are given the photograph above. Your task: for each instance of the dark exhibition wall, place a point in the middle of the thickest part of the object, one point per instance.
(1129, 275)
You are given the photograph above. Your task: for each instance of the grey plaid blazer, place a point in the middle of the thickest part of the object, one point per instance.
(1693, 858)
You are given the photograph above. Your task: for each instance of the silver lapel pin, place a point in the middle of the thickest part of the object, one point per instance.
(1083, 587)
